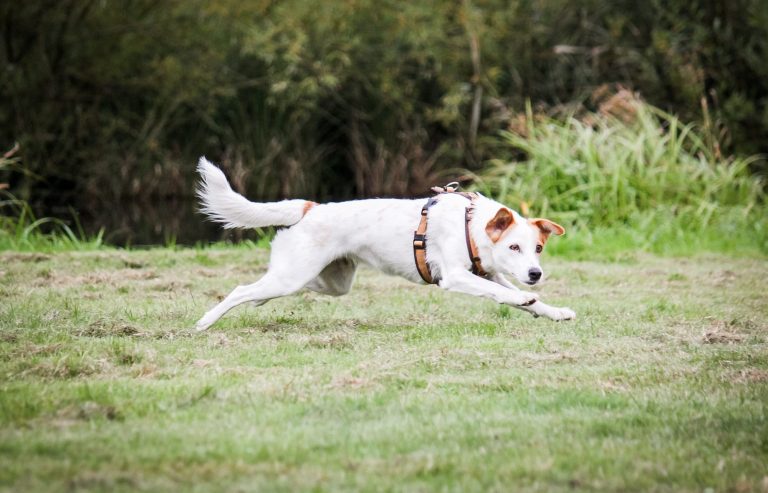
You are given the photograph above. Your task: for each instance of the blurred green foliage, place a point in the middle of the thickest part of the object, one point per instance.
(635, 168)
(113, 99)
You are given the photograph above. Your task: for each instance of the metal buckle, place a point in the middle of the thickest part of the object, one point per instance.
(452, 187)
(419, 241)
(449, 188)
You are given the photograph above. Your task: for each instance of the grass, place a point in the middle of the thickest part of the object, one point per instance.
(660, 384)
(20, 230)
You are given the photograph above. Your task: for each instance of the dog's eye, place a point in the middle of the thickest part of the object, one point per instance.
(514, 247)
(539, 248)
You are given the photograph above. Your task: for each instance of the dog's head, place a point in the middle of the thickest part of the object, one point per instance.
(517, 243)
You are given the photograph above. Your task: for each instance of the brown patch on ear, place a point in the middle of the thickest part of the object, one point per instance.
(546, 227)
(502, 221)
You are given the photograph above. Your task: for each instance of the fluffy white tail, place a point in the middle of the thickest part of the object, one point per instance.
(224, 205)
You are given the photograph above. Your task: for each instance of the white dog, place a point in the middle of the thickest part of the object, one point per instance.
(465, 243)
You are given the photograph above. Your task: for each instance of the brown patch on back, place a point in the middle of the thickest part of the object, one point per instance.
(308, 205)
(501, 222)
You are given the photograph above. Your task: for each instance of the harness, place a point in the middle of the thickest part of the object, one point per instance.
(420, 235)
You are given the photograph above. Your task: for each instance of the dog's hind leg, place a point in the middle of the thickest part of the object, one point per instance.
(289, 271)
(336, 278)
(268, 287)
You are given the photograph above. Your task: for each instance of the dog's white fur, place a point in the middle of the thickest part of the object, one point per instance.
(320, 250)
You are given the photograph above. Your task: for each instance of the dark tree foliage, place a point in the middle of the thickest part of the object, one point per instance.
(116, 99)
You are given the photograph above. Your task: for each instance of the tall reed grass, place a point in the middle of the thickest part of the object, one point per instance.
(644, 172)
(21, 230)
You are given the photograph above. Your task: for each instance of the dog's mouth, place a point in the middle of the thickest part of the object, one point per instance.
(531, 283)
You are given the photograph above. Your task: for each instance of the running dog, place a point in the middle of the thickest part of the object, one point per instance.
(463, 242)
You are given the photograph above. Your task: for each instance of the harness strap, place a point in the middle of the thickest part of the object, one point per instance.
(420, 236)
(474, 256)
(420, 244)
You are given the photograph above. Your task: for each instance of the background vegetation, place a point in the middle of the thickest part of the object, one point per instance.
(112, 100)
(632, 176)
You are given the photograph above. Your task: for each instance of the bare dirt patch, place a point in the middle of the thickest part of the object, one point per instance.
(87, 411)
(107, 328)
(348, 382)
(24, 257)
(721, 332)
(336, 340)
(36, 350)
(67, 368)
(108, 278)
(750, 375)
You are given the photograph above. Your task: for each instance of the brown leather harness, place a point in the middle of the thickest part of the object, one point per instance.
(420, 235)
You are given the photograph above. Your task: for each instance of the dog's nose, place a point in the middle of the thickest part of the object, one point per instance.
(534, 274)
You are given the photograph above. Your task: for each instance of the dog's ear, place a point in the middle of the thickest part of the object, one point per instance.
(500, 222)
(546, 228)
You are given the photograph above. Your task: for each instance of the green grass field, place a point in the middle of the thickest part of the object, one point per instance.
(660, 384)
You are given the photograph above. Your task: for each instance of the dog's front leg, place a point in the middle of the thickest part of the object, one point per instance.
(538, 309)
(541, 309)
(462, 281)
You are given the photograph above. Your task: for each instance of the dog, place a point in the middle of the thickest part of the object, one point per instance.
(465, 243)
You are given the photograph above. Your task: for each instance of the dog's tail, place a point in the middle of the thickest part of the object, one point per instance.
(224, 205)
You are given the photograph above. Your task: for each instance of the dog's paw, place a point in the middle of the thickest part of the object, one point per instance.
(560, 314)
(525, 298)
(202, 325)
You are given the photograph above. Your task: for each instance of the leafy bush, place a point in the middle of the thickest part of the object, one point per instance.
(646, 170)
